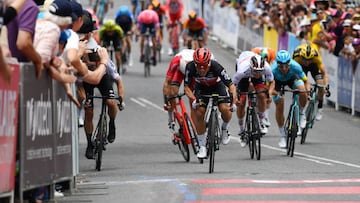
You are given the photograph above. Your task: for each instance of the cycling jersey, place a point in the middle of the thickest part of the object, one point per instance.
(294, 70)
(244, 69)
(148, 17)
(174, 10)
(311, 65)
(193, 26)
(117, 29)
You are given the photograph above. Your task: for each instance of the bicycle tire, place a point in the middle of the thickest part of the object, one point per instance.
(212, 133)
(175, 40)
(101, 135)
(309, 112)
(179, 138)
(147, 61)
(294, 129)
(256, 134)
(193, 135)
(249, 130)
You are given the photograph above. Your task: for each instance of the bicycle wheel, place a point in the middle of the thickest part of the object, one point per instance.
(249, 131)
(180, 139)
(193, 136)
(100, 139)
(293, 133)
(175, 40)
(256, 135)
(147, 61)
(309, 112)
(212, 134)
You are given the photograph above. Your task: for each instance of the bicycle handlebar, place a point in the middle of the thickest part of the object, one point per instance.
(327, 88)
(175, 96)
(118, 98)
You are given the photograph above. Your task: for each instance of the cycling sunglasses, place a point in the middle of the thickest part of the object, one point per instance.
(283, 65)
(202, 65)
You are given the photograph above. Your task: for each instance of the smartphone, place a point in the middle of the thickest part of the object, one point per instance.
(93, 56)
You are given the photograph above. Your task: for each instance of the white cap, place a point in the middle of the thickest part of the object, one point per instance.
(305, 22)
(347, 22)
(356, 27)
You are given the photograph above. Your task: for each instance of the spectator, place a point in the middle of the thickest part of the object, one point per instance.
(20, 36)
(348, 50)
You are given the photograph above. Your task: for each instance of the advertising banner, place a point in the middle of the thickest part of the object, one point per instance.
(331, 65)
(283, 42)
(270, 38)
(9, 98)
(357, 88)
(345, 82)
(293, 42)
(62, 132)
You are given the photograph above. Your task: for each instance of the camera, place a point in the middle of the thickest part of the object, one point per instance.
(93, 56)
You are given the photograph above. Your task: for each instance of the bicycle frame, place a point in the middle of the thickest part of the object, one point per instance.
(187, 132)
(99, 136)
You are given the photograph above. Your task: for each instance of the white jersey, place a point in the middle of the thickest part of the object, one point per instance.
(186, 57)
(244, 69)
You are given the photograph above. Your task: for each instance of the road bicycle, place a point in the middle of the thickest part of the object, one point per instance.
(212, 119)
(147, 52)
(311, 109)
(252, 124)
(175, 45)
(292, 122)
(185, 132)
(100, 134)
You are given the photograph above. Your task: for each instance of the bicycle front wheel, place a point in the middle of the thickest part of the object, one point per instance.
(212, 135)
(100, 139)
(293, 133)
(192, 133)
(180, 139)
(256, 135)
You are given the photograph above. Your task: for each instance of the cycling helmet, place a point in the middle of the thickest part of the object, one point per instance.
(308, 52)
(155, 4)
(109, 24)
(257, 63)
(123, 10)
(192, 15)
(264, 53)
(186, 57)
(283, 57)
(202, 56)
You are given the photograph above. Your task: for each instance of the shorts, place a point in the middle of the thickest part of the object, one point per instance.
(105, 87)
(115, 39)
(314, 71)
(151, 27)
(243, 85)
(293, 83)
(219, 88)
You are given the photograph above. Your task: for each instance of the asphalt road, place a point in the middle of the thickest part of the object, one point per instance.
(142, 165)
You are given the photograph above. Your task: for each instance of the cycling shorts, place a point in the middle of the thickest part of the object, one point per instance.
(126, 27)
(243, 85)
(197, 34)
(105, 87)
(219, 88)
(293, 83)
(314, 70)
(151, 27)
(106, 40)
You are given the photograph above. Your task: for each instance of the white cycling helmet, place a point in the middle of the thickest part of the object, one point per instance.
(257, 63)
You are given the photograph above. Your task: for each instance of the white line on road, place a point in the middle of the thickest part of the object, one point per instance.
(138, 102)
(151, 104)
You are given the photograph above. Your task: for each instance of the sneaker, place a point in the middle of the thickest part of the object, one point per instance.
(89, 154)
(170, 52)
(130, 59)
(153, 59)
(302, 120)
(243, 139)
(319, 114)
(111, 136)
(266, 122)
(299, 131)
(142, 58)
(202, 152)
(282, 142)
(263, 128)
(225, 137)
(172, 127)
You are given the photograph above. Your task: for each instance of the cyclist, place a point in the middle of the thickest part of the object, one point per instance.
(288, 72)
(125, 19)
(310, 60)
(161, 12)
(111, 32)
(174, 13)
(174, 77)
(210, 77)
(252, 73)
(105, 87)
(194, 26)
(148, 19)
(269, 55)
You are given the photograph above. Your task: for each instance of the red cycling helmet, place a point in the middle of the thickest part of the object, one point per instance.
(202, 56)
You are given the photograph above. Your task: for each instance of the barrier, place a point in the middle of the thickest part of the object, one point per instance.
(8, 131)
(45, 136)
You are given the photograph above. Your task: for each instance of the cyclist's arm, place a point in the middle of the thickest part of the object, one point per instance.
(120, 88)
(189, 93)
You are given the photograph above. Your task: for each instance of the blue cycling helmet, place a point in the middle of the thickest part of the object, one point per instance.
(123, 10)
(283, 56)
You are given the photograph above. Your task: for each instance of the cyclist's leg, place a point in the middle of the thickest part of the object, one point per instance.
(240, 110)
(224, 108)
(117, 49)
(106, 89)
(88, 121)
(279, 113)
(318, 77)
(261, 103)
(142, 39)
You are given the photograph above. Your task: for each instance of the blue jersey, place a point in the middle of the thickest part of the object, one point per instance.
(125, 18)
(294, 69)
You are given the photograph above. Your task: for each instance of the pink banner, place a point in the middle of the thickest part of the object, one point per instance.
(9, 99)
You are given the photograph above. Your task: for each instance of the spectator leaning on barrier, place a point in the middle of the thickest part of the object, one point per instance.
(74, 49)
(7, 13)
(21, 32)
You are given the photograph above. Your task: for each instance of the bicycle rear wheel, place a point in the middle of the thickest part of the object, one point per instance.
(100, 139)
(180, 139)
(309, 120)
(212, 134)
